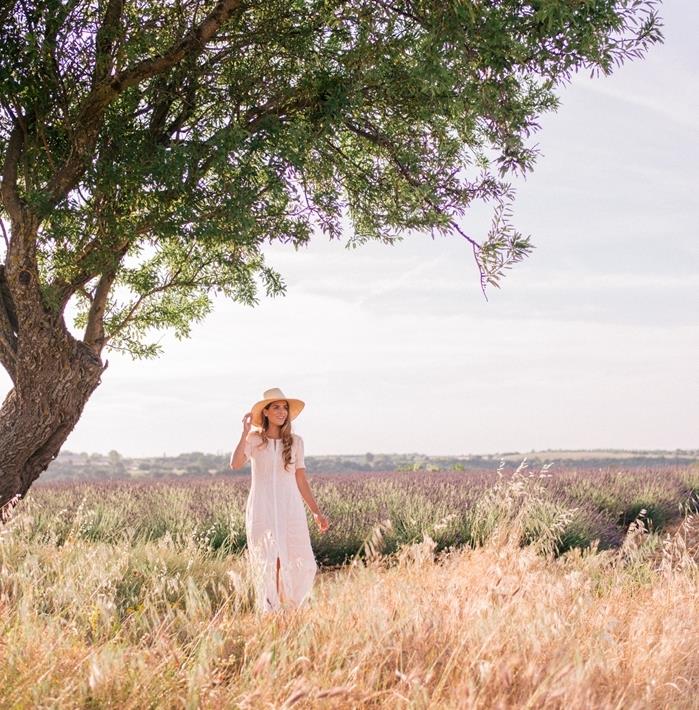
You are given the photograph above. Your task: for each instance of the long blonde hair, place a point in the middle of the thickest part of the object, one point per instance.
(287, 437)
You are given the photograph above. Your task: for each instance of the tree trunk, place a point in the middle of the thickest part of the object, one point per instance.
(55, 376)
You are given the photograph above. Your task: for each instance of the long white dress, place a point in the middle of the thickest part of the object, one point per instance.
(276, 525)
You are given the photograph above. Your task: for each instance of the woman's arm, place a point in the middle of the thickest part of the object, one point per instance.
(238, 457)
(306, 494)
(305, 490)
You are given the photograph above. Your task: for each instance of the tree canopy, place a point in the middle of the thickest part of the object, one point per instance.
(151, 149)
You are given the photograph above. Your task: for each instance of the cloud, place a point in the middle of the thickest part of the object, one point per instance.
(674, 109)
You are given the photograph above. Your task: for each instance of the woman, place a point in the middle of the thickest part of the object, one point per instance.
(278, 540)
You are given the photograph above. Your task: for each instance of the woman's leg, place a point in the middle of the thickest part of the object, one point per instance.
(280, 588)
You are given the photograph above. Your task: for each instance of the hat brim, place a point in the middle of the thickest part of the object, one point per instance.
(295, 407)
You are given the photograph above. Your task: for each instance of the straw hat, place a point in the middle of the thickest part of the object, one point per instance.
(295, 405)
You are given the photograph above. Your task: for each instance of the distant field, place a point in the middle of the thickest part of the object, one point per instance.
(504, 589)
(601, 454)
(83, 466)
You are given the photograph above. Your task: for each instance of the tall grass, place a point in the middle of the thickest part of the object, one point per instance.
(452, 596)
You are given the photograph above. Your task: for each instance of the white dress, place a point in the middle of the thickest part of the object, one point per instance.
(276, 525)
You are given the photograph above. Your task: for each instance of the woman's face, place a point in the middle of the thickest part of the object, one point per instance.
(277, 412)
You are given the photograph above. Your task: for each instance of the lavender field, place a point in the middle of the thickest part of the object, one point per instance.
(517, 588)
(454, 508)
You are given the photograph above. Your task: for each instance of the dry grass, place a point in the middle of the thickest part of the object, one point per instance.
(94, 625)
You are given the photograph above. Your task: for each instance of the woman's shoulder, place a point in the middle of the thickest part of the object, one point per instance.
(253, 436)
(297, 439)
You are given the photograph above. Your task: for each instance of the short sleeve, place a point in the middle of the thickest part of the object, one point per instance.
(299, 452)
(248, 446)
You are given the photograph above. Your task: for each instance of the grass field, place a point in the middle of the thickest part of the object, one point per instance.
(512, 589)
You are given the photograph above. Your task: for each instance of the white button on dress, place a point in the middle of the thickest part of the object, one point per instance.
(276, 525)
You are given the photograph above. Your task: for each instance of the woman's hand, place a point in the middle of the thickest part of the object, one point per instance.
(247, 423)
(322, 521)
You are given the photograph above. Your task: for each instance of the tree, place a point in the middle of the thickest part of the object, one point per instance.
(116, 463)
(150, 149)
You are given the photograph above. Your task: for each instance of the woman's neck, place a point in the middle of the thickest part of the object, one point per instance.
(274, 432)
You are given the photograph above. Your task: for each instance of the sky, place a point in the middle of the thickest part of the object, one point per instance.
(592, 342)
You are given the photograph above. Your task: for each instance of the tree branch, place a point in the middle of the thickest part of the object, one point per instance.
(376, 138)
(4, 235)
(64, 290)
(279, 107)
(8, 356)
(8, 189)
(253, 118)
(8, 327)
(104, 42)
(192, 44)
(7, 302)
(105, 91)
(94, 331)
(170, 282)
